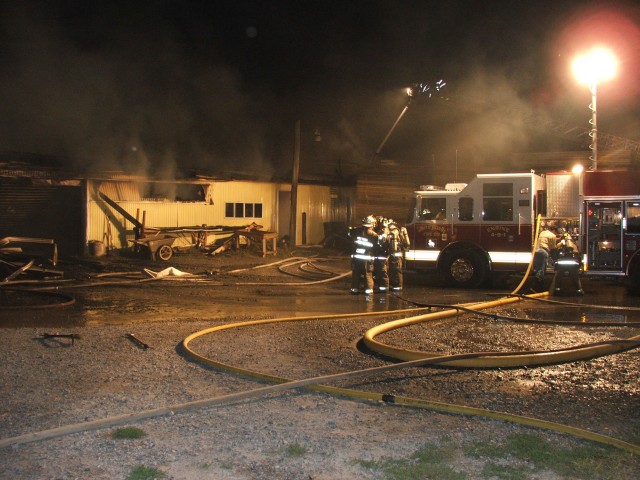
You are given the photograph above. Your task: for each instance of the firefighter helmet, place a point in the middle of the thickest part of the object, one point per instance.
(368, 221)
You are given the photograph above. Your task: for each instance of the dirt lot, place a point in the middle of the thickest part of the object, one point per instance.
(56, 382)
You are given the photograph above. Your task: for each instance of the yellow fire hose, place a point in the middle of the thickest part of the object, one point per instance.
(489, 360)
(412, 359)
(314, 383)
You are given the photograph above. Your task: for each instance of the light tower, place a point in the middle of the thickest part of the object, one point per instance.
(592, 68)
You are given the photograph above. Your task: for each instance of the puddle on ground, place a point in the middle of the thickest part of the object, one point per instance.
(580, 314)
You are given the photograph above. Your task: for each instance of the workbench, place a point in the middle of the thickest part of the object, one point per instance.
(259, 236)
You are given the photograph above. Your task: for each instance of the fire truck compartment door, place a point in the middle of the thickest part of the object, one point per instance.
(604, 235)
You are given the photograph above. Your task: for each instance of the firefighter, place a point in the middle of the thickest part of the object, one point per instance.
(567, 266)
(546, 243)
(381, 253)
(399, 243)
(364, 238)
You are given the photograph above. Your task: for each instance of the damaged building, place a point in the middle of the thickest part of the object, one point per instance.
(40, 199)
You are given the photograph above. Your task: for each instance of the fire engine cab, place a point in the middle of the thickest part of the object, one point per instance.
(469, 231)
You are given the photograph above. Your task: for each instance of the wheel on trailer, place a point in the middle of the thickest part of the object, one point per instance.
(464, 269)
(165, 252)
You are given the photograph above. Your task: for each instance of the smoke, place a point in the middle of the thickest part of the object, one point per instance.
(132, 100)
(218, 86)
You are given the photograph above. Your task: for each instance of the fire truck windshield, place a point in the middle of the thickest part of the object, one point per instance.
(433, 209)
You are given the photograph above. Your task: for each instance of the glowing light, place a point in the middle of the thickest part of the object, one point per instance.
(596, 66)
(426, 89)
(577, 169)
(592, 68)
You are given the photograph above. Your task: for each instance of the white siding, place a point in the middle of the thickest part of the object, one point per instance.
(313, 200)
(178, 214)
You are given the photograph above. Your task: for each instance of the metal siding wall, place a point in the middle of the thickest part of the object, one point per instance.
(246, 192)
(386, 193)
(315, 201)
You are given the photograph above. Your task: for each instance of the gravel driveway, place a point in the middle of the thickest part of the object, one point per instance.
(59, 381)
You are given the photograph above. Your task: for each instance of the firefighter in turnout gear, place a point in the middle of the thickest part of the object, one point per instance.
(398, 243)
(567, 268)
(364, 238)
(381, 255)
(546, 244)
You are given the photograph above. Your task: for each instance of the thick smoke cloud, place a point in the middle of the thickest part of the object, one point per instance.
(157, 87)
(134, 101)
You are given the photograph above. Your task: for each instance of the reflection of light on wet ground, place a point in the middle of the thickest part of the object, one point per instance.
(563, 377)
(569, 314)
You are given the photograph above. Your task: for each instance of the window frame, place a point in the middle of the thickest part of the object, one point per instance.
(243, 209)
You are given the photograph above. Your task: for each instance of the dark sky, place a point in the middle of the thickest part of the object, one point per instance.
(152, 85)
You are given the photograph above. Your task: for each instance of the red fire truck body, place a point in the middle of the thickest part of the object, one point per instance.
(610, 234)
(468, 231)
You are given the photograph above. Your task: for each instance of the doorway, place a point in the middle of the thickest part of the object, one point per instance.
(284, 212)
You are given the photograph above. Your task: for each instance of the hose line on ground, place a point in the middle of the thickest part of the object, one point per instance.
(489, 360)
(438, 406)
(423, 359)
(496, 316)
(562, 303)
(64, 300)
(194, 278)
(315, 384)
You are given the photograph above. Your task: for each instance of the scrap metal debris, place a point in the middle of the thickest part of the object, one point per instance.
(19, 255)
(137, 341)
(72, 336)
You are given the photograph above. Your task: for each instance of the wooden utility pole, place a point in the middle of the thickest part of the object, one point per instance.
(294, 187)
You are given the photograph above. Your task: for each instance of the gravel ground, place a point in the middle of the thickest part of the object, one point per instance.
(54, 382)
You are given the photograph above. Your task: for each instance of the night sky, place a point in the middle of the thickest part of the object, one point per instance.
(153, 86)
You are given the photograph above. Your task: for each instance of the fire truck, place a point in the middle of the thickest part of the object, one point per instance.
(470, 231)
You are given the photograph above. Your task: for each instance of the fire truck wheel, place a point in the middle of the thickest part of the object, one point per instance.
(165, 252)
(464, 269)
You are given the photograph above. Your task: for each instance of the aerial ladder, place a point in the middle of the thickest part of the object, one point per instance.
(532, 120)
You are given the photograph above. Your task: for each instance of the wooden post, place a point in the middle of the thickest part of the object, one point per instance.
(294, 187)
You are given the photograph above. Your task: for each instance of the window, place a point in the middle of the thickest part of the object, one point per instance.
(633, 218)
(497, 202)
(465, 209)
(228, 210)
(433, 209)
(243, 210)
(174, 192)
(497, 189)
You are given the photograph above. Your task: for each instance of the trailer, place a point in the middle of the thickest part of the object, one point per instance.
(470, 231)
